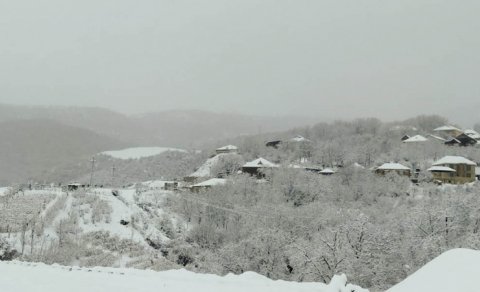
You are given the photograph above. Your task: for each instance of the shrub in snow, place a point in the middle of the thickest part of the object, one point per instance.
(6, 251)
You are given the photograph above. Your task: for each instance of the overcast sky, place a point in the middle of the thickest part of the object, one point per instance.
(389, 59)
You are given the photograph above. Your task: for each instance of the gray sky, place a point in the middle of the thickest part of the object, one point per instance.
(333, 58)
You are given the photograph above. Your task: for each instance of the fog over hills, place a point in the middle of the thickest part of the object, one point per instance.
(29, 148)
(37, 140)
(183, 129)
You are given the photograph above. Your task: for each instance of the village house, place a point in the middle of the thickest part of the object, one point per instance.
(393, 168)
(208, 184)
(466, 140)
(227, 149)
(464, 170)
(258, 166)
(448, 131)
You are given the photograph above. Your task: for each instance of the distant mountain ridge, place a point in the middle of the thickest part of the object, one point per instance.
(184, 129)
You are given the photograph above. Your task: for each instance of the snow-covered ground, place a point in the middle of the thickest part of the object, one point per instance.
(28, 277)
(3, 190)
(139, 152)
(457, 270)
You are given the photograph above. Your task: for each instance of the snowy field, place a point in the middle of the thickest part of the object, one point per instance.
(29, 277)
(139, 152)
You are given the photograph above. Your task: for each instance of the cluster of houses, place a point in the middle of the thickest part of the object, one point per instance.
(448, 135)
(449, 169)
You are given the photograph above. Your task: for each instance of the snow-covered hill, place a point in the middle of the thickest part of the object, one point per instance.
(123, 226)
(455, 270)
(139, 152)
(28, 277)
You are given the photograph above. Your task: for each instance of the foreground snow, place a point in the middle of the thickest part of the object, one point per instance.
(28, 277)
(455, 270)
(139, 152)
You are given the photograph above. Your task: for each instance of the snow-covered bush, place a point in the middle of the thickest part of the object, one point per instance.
(7, 253)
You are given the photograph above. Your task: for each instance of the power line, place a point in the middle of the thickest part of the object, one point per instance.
(243, 211)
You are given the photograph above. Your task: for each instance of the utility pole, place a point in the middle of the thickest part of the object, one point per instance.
(113, 175)
(93, 169)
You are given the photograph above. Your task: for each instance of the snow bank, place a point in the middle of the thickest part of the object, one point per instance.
(139, 152)
(28, 277)
(455, 270)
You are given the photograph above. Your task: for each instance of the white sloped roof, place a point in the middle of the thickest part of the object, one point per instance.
(260, 162)
(299, 139)
(437, 137)
(327, 171)
(212, 182)
(447, 128)
(441, 169)
(472, 133)
(453, 160)
(228, 147)
(416, 138)
(393, 166)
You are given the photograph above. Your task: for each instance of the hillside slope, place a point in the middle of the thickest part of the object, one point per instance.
(29, 148)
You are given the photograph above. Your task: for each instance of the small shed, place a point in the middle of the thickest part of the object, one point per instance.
(71, 187)
(416, 139)
(274, 144)
(327, 171)
(227, 149)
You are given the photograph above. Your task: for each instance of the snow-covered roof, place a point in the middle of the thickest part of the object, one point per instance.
(358, 165)
(416, 138)
(228, 147)
(211, 182)
(453, 160)
(472, 133)
(453, 271)
(260, 162)
(447, 128)
(299, 138)
(441, 169)
(393, 166)
(436, 137)
(327, 171)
